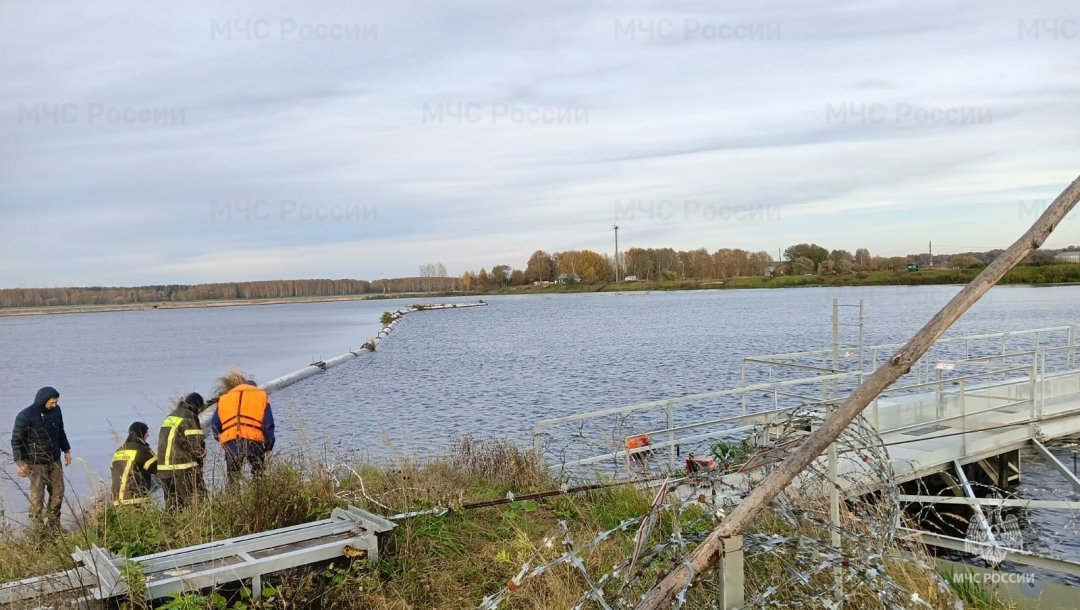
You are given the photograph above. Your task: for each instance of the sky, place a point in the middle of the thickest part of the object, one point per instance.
(189, 142)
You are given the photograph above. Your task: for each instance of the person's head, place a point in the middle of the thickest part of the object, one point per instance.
(195, 402)
(139, 430)
(230, 380)
(47, 398)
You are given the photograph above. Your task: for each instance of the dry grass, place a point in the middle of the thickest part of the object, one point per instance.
(452, 561)
(230, 380)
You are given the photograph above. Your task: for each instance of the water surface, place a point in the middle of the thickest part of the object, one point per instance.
(486, 371)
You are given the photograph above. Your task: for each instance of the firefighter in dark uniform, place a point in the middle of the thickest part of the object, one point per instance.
(181, 451)
(133, 465)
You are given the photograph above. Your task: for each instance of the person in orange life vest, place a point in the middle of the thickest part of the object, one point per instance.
(636, 443)
(244, 425)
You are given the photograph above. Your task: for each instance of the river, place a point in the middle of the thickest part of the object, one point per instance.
(486, 371)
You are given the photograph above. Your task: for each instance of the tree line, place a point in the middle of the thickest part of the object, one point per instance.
(812, 258)
(660, 264)
(586, 266)
(648, 264)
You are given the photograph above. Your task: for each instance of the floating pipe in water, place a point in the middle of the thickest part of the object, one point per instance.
(322, 365)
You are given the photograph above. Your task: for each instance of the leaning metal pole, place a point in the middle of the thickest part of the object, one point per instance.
(710, 550)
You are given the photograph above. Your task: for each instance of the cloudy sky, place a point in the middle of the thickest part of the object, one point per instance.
(185, 142)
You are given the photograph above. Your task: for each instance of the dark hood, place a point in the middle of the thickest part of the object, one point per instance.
(43, 396)
(193, 402)
(137, 432)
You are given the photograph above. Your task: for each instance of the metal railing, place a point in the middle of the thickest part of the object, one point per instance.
(954, 393)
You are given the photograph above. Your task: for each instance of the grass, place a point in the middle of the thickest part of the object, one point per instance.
(973, 594)
(452, 561)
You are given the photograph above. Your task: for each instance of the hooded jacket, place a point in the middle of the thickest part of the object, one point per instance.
(38, 436)
(132, 465)
(181, 442)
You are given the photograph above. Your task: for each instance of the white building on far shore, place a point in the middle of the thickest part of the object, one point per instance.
(1068, 257)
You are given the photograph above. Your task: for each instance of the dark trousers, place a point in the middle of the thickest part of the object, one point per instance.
(237, 452)
(181, 486)
(46, 477)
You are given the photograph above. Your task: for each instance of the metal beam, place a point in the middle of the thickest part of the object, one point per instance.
(1014, 502)
(979, 516)
(1014, 555)
(545, 423)
(65, 582)
(231, 548)
(244, 570)
(1052, 459)
(206, 565)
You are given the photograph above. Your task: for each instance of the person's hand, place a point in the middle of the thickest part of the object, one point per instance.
(269, 454)
(67, 458)
(22, 471)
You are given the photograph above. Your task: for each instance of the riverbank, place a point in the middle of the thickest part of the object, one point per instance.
(32, 311)
(509, 538)
(1045, 275)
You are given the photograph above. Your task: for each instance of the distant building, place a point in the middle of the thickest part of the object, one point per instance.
(1068, 257)
(568, 278)
(769, 271)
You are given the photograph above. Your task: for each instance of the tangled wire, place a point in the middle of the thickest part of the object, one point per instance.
(796, 555)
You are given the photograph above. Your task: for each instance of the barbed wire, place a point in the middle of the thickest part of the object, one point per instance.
(796, 557)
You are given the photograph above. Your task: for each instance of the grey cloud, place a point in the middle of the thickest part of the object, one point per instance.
(327, 123)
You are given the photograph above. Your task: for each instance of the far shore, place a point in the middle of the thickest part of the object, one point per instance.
(1021, 276)
(55, 309)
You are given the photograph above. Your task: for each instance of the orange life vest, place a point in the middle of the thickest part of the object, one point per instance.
(241, 411)
(638, 441)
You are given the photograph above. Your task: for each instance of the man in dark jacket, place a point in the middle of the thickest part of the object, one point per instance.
(181, 450)
(37, 440)
(133, 464)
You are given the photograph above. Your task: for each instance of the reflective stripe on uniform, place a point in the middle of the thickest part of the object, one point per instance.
(124, 455)
(176, 466)
(129, 501)
(128, 457)
(171, 422)
(150, 462)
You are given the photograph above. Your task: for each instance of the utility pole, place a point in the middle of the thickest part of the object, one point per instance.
(616, 227)
(931, 255)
